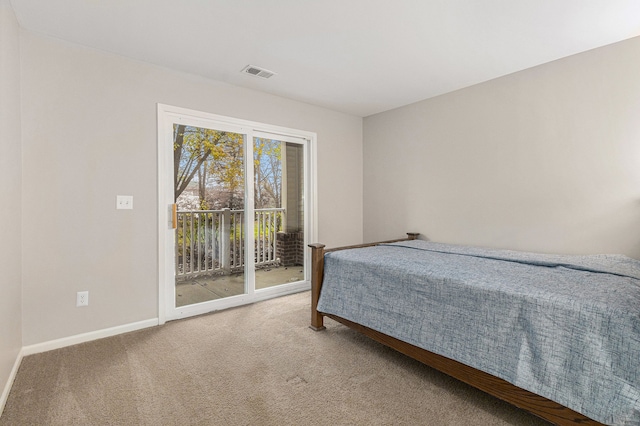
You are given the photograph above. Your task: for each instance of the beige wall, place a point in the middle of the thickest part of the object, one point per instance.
(10, 194)
(547, 159)
(89, 134)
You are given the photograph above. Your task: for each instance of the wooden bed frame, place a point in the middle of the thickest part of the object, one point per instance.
(538, 405)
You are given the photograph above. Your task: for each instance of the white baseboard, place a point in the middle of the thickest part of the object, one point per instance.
(7, 386)
(87, 337)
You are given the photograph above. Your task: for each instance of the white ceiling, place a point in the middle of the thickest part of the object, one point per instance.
(356, 56)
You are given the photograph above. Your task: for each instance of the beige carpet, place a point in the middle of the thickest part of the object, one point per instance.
(254, 365)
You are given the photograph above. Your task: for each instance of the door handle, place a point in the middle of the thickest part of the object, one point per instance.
(174, 216)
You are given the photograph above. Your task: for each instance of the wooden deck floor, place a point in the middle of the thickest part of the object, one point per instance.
(204, 288)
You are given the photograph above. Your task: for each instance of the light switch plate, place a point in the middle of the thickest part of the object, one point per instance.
(124, 202)
(82, 298)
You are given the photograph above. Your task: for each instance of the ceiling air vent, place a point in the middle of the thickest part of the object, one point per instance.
(258, 72)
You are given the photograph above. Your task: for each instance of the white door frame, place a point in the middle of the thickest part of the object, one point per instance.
(167, 116)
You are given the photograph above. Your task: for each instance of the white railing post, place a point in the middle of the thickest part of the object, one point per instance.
(179, 252)
(225, 240)
(277, 217)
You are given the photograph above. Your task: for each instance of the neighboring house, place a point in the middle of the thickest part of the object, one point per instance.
(545, 159)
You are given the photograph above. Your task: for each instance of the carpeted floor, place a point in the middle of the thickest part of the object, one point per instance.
(255, 365)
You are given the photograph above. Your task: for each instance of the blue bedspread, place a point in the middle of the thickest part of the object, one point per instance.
(564, 327)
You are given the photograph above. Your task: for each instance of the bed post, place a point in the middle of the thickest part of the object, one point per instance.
(317, 270)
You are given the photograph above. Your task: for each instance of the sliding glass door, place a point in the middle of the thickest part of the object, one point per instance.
(237, 228)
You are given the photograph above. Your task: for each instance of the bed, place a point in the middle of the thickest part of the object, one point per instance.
(556, 335)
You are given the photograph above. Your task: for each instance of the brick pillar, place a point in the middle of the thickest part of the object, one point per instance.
(290, 249)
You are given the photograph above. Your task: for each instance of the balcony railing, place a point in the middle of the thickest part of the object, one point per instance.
(213, 241)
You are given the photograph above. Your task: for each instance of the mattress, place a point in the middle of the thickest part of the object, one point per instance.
(563, 327)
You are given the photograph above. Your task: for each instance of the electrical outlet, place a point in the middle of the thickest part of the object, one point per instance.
(82, 298)
(124, 202)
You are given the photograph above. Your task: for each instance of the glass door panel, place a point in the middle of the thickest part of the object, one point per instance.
(278, 171)
(209, 191)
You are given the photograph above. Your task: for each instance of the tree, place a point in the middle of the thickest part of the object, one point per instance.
(227, 169)
(267, 160)
(192, 147)
(207, 156)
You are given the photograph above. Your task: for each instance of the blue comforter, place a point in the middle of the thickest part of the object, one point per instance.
(564, 327)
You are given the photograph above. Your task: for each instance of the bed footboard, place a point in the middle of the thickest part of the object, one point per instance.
(317, 272)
